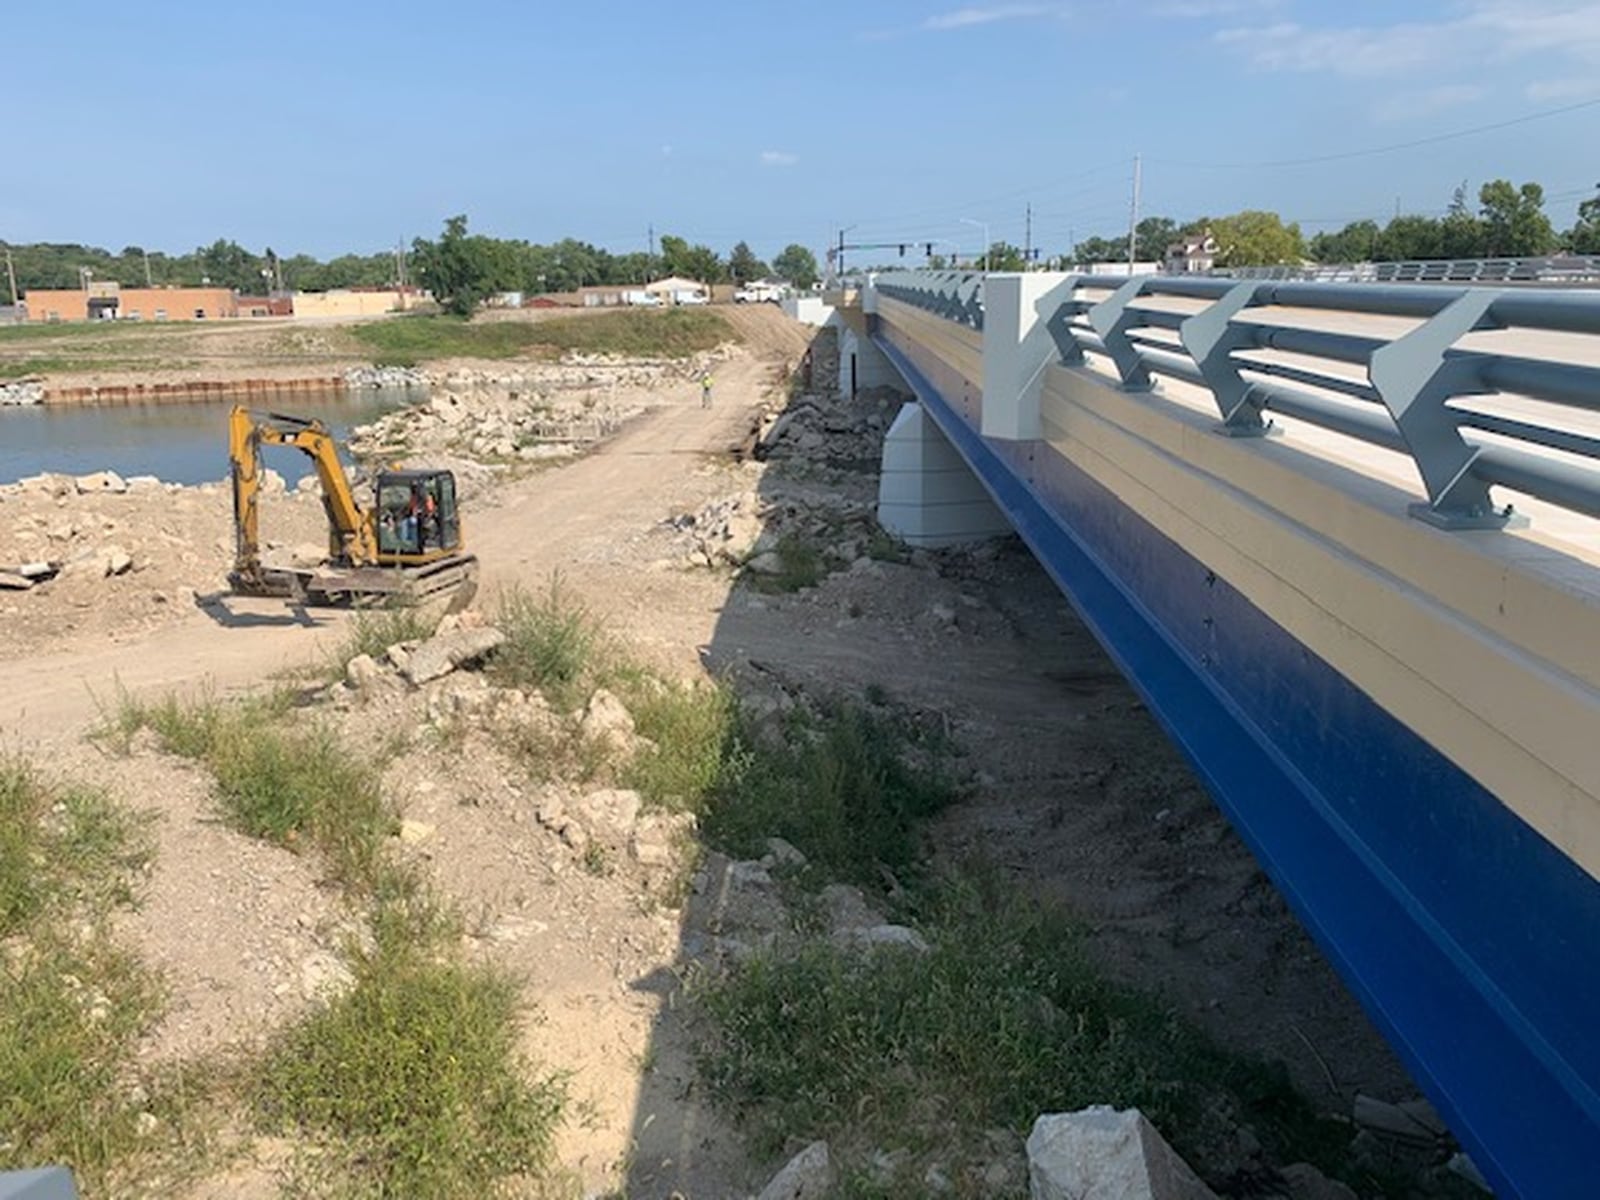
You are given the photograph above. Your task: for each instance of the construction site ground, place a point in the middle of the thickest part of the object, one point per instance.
(1079, 794)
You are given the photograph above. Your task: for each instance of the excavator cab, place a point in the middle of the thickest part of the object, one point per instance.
(418, 520)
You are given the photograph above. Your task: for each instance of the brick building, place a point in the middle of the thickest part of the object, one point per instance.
(109, 301)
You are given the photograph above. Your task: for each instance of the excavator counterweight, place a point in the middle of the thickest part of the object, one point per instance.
(407, 547)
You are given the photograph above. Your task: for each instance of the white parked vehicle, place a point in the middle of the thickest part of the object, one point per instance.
(758, 293)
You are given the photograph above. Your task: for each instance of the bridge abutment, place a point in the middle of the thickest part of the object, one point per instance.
(927, 495)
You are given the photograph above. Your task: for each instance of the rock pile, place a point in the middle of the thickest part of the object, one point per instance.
(24, 392)
(524, 413)
(359, 379)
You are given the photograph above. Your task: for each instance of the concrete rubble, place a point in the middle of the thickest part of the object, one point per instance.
(809, 1175)
(1100, 1153)
(440, 655)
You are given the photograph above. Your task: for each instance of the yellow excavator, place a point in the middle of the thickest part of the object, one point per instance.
(407, 548)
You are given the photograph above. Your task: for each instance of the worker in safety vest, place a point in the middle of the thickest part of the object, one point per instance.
(705, 390)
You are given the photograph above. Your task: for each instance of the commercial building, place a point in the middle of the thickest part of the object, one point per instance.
(110, 301)
(355, 302)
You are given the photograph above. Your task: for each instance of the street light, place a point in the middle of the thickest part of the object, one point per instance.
(983, 225)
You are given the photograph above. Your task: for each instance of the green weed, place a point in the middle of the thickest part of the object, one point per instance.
(551, 644)
(412, 1082)
(71, 1003)
(689, 727)
(1003, 1019)
(296, 786)
(846, 785)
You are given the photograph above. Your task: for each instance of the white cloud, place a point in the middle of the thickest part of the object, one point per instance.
(1426, 102)
(1479, 31)
(1545, 90)
(778, 158)
(966, 18)
(1197, 9)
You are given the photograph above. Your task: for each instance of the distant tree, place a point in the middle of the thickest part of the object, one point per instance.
(1100, 250)
(1256, 238)
(461, 270)
(797, 265)
(1356, 242)
(702, 263)
(1584, 237)
(1514, 220)
(1409, 237)
(1152, 236)
(1461, 234)
(743, 265)
(674, 255)
(637, 267)
(1005, 257)
(227, 264)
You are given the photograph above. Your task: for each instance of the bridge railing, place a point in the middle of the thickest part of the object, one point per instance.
(1410, 387)
(1547, 270)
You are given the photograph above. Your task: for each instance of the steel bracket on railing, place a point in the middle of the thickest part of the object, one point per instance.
(1415, 377)
(1210, 337)
(1112, 320)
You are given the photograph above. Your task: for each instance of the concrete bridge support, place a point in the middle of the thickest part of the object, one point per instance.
(862, 365)
(927, 495)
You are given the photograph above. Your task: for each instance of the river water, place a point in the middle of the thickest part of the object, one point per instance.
(178, 442)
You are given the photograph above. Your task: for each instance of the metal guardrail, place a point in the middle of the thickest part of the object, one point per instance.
(1563, 269)
(1410, 399)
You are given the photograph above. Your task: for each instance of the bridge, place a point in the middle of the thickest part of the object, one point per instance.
(1345, 540)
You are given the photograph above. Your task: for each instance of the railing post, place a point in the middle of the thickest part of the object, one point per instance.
(1210, 337)
(1024, 331)
(1112, 319)
(1415, 378)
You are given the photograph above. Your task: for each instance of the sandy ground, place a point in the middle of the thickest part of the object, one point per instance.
(1079, 795)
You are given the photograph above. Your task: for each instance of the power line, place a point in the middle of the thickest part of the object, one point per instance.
(1390, 149)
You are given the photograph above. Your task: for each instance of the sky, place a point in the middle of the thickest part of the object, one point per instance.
(349, 125)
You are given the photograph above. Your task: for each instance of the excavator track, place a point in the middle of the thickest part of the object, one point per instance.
(454, 578)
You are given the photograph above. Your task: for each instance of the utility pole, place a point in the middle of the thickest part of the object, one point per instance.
(1027, 241)
(1133, 216)
(650, 236)
(149, 280)
(11, 274)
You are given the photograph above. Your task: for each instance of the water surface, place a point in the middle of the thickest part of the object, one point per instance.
(179, 442)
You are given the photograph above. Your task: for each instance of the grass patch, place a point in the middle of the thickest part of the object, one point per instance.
(847, 786)
(411, 1082)
(1002, 1020)
(296, 786)
(633, 333)
(552, 644)
(23, 368)
(71, 1004)
(690, 727)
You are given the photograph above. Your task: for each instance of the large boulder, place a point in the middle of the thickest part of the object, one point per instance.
(1109, 1155)
(101, 481)
(607, 725)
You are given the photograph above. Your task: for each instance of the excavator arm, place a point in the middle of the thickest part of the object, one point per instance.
(351, 536)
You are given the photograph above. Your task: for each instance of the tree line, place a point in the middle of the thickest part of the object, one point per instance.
(1508, 221)
(472, 263)
(463, 268)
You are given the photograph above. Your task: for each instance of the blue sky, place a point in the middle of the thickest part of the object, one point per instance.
(347, 125)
